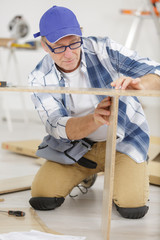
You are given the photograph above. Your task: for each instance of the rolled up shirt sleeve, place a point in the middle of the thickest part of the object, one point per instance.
(50, 107)
(128, 62)
(60, 130)
(52, 113)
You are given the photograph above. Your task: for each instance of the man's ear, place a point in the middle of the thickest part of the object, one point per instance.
(44, 46)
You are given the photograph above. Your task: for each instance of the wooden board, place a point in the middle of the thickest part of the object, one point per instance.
(25, 147)
(40, 161)
(30, 221)
(154, 150)
(93, 91)
(155, 140)
(16, 184)
(109, 170)
(154, 160)
(154, 171)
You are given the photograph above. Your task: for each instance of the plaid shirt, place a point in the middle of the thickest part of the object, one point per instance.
(103, 61)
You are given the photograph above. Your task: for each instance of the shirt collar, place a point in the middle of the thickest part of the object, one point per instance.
(83, 59)
(58, 72)
(82, 64)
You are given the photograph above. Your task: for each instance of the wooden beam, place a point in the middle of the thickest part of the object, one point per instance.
(109, 169)
(92, 91)
(154, 171)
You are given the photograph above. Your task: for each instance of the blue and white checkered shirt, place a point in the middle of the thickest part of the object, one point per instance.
(103, 61)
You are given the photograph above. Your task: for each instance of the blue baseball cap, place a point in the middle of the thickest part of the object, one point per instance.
(58, 22)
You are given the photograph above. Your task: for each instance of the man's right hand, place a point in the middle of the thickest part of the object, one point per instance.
(102, 112)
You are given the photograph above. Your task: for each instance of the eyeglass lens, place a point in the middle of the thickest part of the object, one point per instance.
(71, 46)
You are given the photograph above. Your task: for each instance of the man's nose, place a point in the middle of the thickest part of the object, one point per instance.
(68, 52)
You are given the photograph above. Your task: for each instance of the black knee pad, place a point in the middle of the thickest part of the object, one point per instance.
(132, 213)
(46, 203)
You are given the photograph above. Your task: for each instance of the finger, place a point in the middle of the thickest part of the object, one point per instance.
(137, 84)
(126, 83)
(119, 82)
(102, 120)
(108, 98)
(133, 84)
(113, 84)
(106, 119)
(104, 105)
(136, 81)
(101, 111)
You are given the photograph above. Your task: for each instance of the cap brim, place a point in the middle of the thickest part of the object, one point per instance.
(37, 34)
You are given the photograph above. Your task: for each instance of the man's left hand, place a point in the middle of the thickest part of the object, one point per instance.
(128, 83)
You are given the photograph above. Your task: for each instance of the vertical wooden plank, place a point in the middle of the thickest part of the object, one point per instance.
(109, 169)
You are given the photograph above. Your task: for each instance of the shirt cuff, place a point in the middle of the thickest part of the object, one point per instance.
(157, 72)
(61, 127)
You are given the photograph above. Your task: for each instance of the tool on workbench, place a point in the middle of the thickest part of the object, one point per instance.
(18, 27)
(14, 213)
(139, 13)
(3, 83)
(148, 8)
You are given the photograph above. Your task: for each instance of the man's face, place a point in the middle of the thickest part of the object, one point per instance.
(68, 60)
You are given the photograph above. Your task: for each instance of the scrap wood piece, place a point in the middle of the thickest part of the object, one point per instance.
(40, 161)
(31, 221)
(154, 160)
(16, 184)
(155, 140)
(154, 147)
(154, 171)
(154, 150)
(25, 147)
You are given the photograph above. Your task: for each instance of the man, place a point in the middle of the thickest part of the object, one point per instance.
(77, 124)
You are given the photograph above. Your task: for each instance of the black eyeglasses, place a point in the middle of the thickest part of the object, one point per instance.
(72, 46)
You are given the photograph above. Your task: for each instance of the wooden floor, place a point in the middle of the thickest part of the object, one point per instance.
(78, 216)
